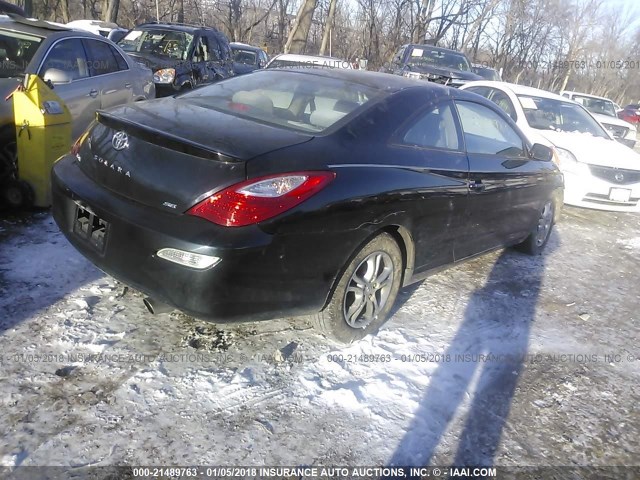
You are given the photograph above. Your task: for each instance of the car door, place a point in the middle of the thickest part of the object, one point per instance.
(506, 187)
(431, 144)
(79, 92)
(220, 57)
(110, 73)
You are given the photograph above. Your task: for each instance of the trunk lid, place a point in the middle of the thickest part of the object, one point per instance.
(171, 154)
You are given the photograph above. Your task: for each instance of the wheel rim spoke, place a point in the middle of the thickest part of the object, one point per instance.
(368, 290)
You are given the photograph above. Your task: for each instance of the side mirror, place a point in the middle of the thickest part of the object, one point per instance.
(55, 75)
(541, 152)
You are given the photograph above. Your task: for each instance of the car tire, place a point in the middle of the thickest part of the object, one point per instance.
(536, 241)
(18, 194)
(8, 154)
(365, 293)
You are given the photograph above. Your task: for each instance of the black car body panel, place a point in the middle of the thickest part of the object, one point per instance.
(288, 265)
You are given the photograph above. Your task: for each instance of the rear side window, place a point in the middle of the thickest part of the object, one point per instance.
(502, 100)
(434, 129)
(301, 102)
(101, 58)
(486, 132)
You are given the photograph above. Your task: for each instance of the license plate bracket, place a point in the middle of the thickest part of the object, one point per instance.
(90, 228)
(621, 195)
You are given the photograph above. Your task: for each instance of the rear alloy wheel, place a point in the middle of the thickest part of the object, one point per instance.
(17, 194)
(365, 293)
(539, 236)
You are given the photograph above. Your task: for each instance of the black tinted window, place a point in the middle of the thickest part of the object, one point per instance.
(506, 105)
(435, 128)
(486, 132)
(122, 63)
(68, 56)
(484, 91)
(101, 58)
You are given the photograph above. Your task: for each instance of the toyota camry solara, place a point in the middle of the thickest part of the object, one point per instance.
(303, 192)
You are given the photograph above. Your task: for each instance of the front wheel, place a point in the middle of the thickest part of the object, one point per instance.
(539, 236)
(365, 293)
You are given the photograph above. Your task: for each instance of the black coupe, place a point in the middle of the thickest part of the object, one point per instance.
(301, 192)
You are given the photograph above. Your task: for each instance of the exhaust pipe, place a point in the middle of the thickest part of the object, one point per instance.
(155, 307)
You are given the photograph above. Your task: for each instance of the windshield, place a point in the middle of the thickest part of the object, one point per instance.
(559, 116)
(246, 57)
(158, 42)
(438, 58)
(292, 100)
(16, 51)
(597, 105)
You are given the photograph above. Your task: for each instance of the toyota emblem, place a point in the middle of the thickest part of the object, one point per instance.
(619, 177)
(120, 141)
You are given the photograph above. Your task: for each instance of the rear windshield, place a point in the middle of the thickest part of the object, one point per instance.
(16, 51)
(597, 105)
(246, 57)
(429, 56)
(292, 100)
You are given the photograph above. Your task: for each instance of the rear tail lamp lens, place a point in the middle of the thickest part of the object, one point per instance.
(259, 199)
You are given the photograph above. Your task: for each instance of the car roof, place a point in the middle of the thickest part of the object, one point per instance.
(376, 80)
(180, 27)
(40, 28)
(296, 57)
(433, 47)
(244, 45)
(520, 90)
(586, 95)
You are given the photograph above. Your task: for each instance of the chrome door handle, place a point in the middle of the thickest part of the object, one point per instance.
(93, 93)
(127, 85)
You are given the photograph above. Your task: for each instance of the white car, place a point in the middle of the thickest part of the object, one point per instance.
(599, 172)
(291, 60)
(604, 110)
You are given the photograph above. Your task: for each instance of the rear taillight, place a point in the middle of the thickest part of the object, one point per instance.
(259, 199)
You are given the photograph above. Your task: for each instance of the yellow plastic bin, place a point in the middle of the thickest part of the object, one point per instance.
(43, 134)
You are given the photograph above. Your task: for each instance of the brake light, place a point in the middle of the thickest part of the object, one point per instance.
(259, 199)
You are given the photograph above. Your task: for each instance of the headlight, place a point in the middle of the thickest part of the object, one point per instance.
(568, 162)
(164, 75)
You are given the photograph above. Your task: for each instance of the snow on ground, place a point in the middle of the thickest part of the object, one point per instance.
(497, 361)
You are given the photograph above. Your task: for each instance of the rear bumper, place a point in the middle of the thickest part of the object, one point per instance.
(260, 276)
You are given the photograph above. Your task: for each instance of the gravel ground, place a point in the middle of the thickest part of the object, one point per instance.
(504, 360)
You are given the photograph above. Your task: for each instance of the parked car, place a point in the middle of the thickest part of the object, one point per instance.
(97, 27)
(435, 64)
(485, 72)
(181, 56)
(231, 205)
(604, 111)
(87, 71)
(599, 172)
(295, 61)
(630, 113)
(247, 58)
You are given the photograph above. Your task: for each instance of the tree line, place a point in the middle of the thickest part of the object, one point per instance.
(582, 45)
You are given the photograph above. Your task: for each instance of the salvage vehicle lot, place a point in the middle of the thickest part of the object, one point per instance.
(526, 360)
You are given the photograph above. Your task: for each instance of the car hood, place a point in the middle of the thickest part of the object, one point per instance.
(182, 118)
(612, 121)
(594, 150)
(445, 72)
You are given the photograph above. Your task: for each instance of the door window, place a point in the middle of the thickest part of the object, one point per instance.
(486, 132)
(201, 52)
(434, 129)
(68, 56)
(101, 58)
(504, 102)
